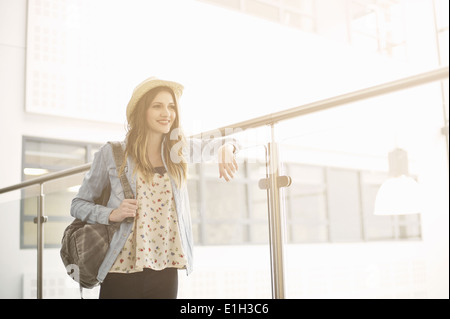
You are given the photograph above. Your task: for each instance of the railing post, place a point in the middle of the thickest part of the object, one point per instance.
(40, 220)
(276, 219)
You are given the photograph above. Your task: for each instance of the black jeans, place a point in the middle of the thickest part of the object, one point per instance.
(146, 284)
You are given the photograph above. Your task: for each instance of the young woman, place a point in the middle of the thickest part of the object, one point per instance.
(155, 237)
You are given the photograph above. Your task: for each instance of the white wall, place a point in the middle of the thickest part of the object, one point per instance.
(15, 123)
(413, 269)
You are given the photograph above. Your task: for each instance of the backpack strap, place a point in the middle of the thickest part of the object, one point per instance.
(118, 158)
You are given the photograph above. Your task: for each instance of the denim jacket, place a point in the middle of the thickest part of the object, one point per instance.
(104, 171)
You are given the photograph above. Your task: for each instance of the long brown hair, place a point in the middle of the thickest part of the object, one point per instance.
(137, 140)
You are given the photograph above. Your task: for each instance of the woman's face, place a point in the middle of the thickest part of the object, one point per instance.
(161, 113)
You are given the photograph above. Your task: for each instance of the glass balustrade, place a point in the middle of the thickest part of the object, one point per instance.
(57, 201)
(18, 272)
(231, 250)
(338, 246)
(232, 256)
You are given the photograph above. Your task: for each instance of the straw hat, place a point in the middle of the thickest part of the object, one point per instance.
(148, 85)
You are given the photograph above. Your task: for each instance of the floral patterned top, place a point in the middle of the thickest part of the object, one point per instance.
(154, 241)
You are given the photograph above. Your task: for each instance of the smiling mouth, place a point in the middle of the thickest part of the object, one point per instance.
(164, 122)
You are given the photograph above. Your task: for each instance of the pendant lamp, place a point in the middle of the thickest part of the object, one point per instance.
(400, 193)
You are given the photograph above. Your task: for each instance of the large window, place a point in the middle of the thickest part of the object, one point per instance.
(41, 156)
(324, 204)
(336, 205)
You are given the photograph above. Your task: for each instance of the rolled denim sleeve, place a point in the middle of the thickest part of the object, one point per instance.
(96, 179)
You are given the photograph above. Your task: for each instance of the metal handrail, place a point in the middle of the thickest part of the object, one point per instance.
(385, 88)
(47, 177)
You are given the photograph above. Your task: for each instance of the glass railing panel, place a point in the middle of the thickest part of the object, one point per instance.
(231, 252)
(58, 198)
(232, 257)
(338, 159)
(306, 209)
(18, 266)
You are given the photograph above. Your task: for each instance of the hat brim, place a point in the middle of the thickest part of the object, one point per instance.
(148, 85)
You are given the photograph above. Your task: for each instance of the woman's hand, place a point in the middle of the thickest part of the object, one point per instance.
(227, 162)
(127, 208)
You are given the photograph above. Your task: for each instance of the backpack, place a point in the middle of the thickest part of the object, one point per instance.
(84, 245)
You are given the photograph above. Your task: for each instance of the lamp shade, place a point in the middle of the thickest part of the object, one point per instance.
(398, 196)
